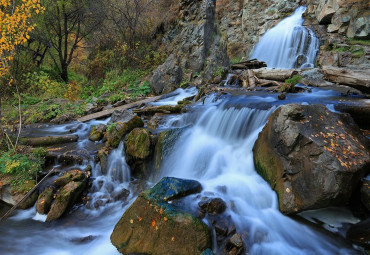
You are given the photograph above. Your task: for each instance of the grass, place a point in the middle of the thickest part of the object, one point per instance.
(359, 42)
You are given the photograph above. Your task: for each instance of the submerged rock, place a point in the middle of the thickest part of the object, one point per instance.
(153, 226)
(311, 157)
(212, 206)
(360, 233)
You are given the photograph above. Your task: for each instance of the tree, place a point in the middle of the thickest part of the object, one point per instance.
(15, 27)
(64, 25)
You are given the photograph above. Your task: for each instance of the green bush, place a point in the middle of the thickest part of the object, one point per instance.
(23, 168)
(289, 84)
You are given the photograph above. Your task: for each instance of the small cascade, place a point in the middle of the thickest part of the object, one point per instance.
(217, 151)
(288, 44)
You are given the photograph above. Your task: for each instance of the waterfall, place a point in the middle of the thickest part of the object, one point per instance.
(217, 151)
(288, 44)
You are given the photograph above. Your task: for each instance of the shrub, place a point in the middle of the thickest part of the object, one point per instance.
(289, 84)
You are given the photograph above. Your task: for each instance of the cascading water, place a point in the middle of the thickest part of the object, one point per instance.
(288, 44)
(217, 151)
(214, 148)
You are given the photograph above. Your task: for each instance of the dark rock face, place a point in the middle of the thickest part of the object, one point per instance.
(196, 47)
(153, 226)
(360, 233)
(311, 157)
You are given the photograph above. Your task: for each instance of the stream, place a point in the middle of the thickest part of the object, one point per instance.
(214, 148)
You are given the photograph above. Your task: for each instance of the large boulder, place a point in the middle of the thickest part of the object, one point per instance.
(72, 175)
(311, 157)
(116, 131)
(97, 133)
(65, 199)
(153, 226)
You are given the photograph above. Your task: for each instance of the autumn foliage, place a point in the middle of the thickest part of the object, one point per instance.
(15, 27)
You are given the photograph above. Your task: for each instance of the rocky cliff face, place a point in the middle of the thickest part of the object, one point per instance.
(210, 32)
(196, 49)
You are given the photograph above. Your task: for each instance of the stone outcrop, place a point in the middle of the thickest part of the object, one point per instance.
(311, 157)
(195, 48)
(45, 200)
(153, 226)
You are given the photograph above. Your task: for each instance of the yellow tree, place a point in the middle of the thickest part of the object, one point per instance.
(15, 27)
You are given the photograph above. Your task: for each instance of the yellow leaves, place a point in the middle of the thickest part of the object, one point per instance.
(15, 28)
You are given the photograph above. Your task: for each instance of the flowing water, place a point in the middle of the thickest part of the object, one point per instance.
(288, 44)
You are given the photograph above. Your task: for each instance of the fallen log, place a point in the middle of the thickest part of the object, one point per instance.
(275, 74)
(249, 64)
(269, 83)
(251, 79)
(48, 140)
(356, 79)
(167, 109)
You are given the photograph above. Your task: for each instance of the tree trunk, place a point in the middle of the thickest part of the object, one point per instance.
(274, 74)
(64, 74)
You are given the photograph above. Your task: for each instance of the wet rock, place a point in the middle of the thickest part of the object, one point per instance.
(45, 200)
(75, 175)
(207, 252)
(97, 133)
(360, 233)
(138, 144)
(165, 227)
(235, 245)
(311, 157)
(115, 132)
(29, 202)
(84, 240)
(282, 96)
(103, 157)
(121, 194)
(165, 143)
(212, 206)
(121, 116)
(139, 148)
(365, 194)
(65, 199)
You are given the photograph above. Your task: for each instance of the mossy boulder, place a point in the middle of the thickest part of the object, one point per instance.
(139, 151)
(97, 133)
(116, 131)
(65, 199)
(311, 157)
(29, 202)
(45, 200)
(72, 175)
(139, 144)
(153, 226)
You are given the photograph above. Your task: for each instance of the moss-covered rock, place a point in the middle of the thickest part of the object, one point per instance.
(115, 132)
(65, 199)
(29, 202)
(153, 226)
(97, 133)
(311, 157)
(103, 157)
(45, 200)
(72, 175)
(138, 143)
(165, 142)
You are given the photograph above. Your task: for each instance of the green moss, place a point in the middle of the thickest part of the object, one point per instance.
(359, 42)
